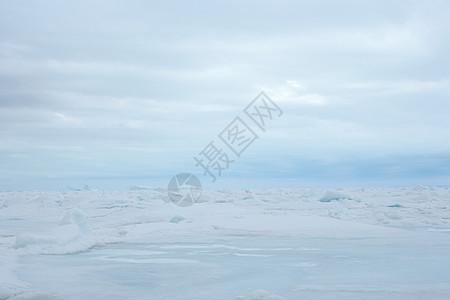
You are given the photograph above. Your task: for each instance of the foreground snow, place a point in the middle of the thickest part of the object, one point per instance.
(235, 244)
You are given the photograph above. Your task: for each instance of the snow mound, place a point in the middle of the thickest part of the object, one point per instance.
(333, 196)
(72, 221)
(177, 219)
(72, 234)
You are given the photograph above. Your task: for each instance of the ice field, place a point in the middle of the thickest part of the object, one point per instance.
(372, 243)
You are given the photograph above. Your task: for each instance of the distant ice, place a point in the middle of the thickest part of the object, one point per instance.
(253, 243)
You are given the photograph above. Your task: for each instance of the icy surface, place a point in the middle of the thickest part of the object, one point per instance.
(368, 243)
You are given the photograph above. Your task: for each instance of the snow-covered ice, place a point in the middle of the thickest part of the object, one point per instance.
(347, 243)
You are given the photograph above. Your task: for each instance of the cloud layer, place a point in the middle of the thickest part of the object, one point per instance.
(111, 93)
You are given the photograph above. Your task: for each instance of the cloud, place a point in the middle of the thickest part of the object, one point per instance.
(125, 90)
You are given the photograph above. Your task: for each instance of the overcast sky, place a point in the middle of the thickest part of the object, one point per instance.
(114, 93)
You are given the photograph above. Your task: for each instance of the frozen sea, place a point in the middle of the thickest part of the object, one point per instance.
(372, 243)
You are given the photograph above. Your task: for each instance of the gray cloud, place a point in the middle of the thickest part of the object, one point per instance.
(95, 89)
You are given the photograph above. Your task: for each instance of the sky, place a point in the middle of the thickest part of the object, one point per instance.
(120, 93)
